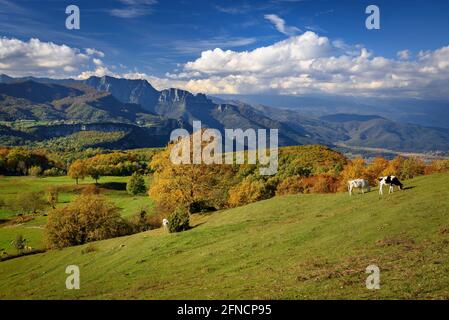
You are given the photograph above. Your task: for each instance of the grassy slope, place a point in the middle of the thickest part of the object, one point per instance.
(305, 246)
(33, 230)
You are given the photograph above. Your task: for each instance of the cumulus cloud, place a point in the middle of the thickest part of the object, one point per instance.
(35, 57)
(47, 59)
(280, 25)
(303, 64)
(310, 63)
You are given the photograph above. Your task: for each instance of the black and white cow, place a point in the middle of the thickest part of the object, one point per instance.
(391, 181)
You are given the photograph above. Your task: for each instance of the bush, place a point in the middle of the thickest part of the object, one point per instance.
(179, 220)
(90, 189)
(141, 222)
(437, 166)
(88, 218)
(290, 185)
(136, 184)
(248, 191)
(35, 171)
(54, 172)
(19, 243)
(412, 167)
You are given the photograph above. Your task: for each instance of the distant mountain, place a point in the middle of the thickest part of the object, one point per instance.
(29, 100)
(425, 112)
(37, 92)
(345, 117)
(140, 112)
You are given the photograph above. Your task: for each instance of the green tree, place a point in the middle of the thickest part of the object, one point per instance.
(94, 172)
(179, 220)
(136, 184)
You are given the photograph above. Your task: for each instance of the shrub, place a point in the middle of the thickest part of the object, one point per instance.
(88, 218)
(290, 185)
(437, 166)
(140, 222)
(54, 172)
(136, 184)
(35, 171)
(179, 220)
(412, 167)
(19, 243)
(248, 191)
(90, 189)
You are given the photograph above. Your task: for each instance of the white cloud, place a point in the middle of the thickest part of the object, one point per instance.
(94, 52)
(35, 57)
(404, 54)
(280, 25)
(309, 63)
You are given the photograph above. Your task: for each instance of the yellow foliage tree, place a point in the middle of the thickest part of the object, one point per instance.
(189, 185)
(355, 169)
(78, 170)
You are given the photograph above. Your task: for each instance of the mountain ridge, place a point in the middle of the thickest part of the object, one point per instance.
(138, 103)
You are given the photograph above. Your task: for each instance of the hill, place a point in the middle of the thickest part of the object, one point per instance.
(293, 247)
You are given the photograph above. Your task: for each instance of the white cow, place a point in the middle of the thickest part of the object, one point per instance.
(360, 184)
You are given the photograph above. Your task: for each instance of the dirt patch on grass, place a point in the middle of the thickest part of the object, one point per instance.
(396, 241)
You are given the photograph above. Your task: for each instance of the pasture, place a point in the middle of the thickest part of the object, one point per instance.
(306, 246)
(113, 188)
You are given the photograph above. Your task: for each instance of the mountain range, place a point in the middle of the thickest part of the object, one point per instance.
(39, 110)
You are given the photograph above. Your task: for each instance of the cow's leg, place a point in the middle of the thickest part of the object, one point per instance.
(381, 192)
(350, 190)
(391, 189)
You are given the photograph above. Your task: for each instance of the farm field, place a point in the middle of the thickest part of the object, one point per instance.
(113, 188)
(305, 246)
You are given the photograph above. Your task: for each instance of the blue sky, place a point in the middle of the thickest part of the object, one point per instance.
(153, 38)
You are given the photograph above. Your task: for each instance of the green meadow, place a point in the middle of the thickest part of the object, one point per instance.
(306, 246)
(110, 187)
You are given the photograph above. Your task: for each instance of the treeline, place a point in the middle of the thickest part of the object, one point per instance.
(18, 161)
(95, 162)
(302, 169)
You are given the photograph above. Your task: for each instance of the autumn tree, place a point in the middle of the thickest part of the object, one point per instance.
(88, 218)
(376, 168)
(355, 169)
(78, 170)
(189, 184)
